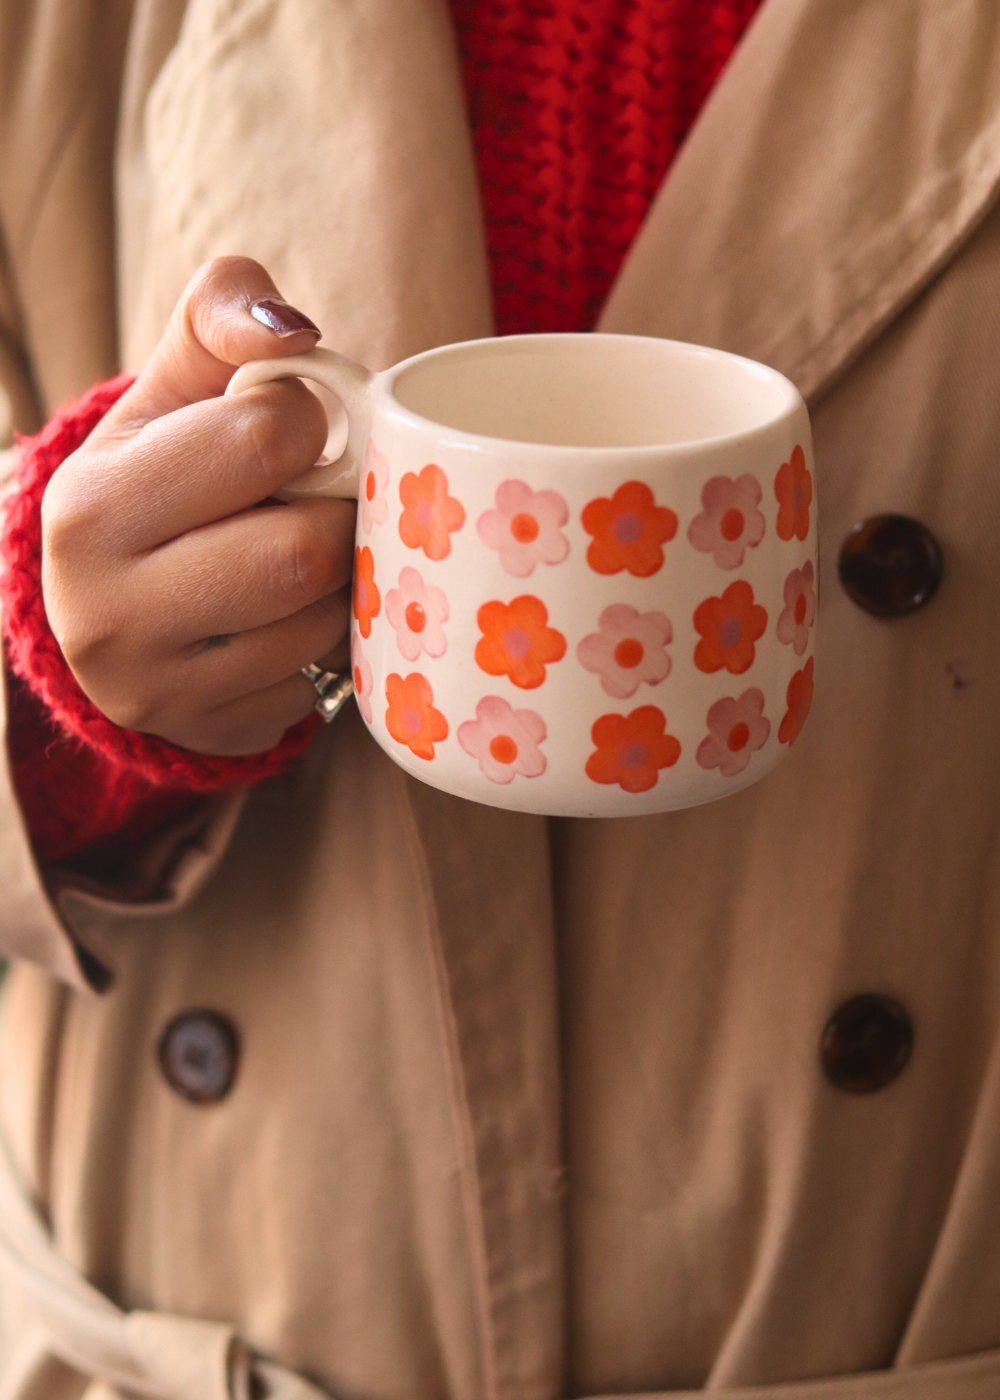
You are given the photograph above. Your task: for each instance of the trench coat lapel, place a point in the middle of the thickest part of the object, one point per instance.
(345, 123)
(846, 153)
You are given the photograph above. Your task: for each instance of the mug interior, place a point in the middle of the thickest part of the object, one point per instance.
(602, 391)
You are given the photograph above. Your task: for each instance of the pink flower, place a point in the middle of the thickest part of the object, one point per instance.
(374, 480)
(799, 612)
(362, 674)
(417, 610)
(627, 650)
(504, 741)
(730, 523)
(736, 729)
(524, 528)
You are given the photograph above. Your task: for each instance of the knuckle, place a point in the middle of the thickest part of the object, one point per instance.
(87, 634)
(304, 565)
(129, 701)
(221, 277)
(285, 428)
(132, 711)
(70, 512)
(84, 642)
(267, 427)
(333, 611)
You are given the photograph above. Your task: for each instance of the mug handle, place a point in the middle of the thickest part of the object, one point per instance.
(353, 386)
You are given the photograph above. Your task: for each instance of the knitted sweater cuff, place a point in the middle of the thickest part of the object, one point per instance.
(33, 653)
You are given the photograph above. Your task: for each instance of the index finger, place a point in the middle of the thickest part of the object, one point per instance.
(196, 465)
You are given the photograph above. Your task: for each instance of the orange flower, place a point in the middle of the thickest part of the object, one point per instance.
(794, 489)
(429, 513)
(411, 718)
(517, 641)
(367, 599)
(631, 749)
(799, 698)
(629, 531)
(729, 626)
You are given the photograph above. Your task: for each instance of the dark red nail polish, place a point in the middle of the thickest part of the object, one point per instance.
(281, 318)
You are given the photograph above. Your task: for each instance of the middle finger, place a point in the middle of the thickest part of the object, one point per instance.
(245, 572)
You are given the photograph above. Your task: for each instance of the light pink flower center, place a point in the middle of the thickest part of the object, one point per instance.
(739, 737)
(413, 720)
(516, 642)
(503, 748)
(362, 595)
(357, 680)
(800, 610)
(416, 618)
(524, 527)
(730, 632)
(731, 524)
(424, 514)
(632, 755)
(370, 486)
(628, 653)
(797, 495)
(627, 528)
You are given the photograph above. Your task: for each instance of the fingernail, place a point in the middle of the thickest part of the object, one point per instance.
(281, 318)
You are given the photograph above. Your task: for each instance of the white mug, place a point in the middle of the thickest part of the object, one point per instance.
(585, 567)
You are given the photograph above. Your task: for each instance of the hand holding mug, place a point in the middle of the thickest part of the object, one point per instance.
(184, 608)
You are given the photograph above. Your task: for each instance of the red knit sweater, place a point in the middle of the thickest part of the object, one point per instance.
(577, 109)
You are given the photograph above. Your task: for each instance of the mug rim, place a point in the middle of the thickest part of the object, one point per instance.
(792, 400)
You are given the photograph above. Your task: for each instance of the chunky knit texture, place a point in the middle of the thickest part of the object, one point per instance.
(80, 777)
(577, 109)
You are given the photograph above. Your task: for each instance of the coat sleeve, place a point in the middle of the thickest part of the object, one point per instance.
(40, 911)
(79, 778)
(57, 336)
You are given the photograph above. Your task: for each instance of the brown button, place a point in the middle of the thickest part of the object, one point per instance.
(890, 565)
(198, 1053)
(866, 1043)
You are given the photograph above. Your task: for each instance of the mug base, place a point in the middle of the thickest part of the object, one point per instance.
(673, 791)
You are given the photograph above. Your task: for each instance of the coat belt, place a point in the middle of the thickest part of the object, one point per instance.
(145, 1353)
(180, 1358)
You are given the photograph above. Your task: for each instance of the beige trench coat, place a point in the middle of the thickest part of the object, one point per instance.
(528, 1109)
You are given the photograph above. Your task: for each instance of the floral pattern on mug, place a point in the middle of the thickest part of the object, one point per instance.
(628, 650)
(430, 515)
(416, 610)
(361, 673)
(729, 627)
(367, 599)
(798, 698)
(411, 718)
(524, 527)
(793, 489)
(629, 531)
(504, 741)
(631, 749)
(517, 641)
(374, 505)
(799, 612)
(730, 522)
(736, 729)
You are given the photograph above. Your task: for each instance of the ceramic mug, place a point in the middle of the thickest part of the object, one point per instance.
(585, 567)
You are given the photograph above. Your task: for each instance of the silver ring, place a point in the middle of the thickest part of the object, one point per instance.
(334, 691)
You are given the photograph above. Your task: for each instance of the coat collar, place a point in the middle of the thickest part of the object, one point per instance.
(846, 153)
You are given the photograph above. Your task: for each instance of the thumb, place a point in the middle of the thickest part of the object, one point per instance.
(230, 312)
